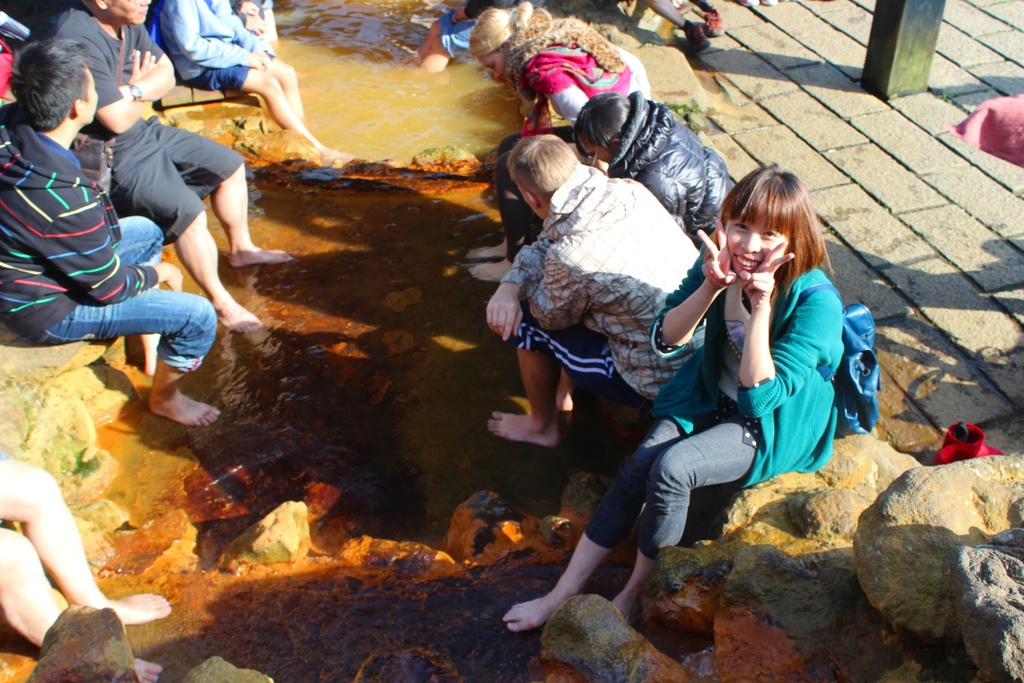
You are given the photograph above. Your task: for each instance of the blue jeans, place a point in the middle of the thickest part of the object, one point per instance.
(186, 323)
(660, 475)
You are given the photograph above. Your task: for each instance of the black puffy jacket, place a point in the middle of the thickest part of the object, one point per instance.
(689, 179)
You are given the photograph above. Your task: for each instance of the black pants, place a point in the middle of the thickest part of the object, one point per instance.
(516, 215)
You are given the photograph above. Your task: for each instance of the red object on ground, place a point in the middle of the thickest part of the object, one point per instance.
(963, 441)
(996, 127)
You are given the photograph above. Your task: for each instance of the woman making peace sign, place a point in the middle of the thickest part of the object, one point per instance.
(748, 406)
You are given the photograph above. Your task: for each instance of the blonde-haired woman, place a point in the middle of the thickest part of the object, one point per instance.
(561, 62)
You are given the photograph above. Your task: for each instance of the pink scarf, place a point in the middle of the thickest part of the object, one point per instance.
(996, 127)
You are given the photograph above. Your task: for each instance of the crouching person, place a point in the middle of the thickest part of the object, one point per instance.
(582, 299)
(69, 269)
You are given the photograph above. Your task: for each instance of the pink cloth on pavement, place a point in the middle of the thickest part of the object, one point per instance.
(996, 127)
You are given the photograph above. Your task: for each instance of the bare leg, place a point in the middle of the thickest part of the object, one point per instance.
(491, 272)
(666, 9)
(540, 376)
(167, 401)
(198, 253)
(230, 202)
(149, 344)
(628, 600)
(563, 395)
(433, 57)
(488, 253)
(26, 598)
(585, 559)
(270, 34)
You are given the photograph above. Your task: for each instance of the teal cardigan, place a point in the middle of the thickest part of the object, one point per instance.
(796, 408)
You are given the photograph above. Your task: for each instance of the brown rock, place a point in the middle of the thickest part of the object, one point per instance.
(408, 666)
(281, 536)
(686, 591)
(450, 159)
(88, 645)
(366, 551)
(216, 670)
(485, 527)
(277, 147)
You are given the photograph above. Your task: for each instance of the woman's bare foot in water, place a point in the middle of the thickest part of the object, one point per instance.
(491, 272)
(628, 606)
(530, 615)
(235, 317)
(332, 158)
(487, 253)
(148, 672)
(563, 394)
(140, 609)
(183, 410)
(257, 257)
(525, 429)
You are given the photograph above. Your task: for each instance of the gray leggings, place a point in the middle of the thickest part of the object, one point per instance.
(660, 475)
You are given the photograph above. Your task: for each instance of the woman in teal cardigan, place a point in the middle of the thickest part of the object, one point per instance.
(748, 406)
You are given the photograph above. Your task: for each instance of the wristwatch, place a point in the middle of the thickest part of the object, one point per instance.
(136, 92)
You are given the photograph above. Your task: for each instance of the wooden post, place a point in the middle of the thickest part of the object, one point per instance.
(901, 46)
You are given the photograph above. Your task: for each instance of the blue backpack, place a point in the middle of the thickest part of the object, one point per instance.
(154, 25)
(859, 378)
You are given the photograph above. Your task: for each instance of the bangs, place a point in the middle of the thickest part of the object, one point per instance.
(771, 201)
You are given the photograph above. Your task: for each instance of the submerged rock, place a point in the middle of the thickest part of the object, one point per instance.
(277, 147)
(281, 536)
(986, 585)
(85, 644)
(485, 527)
(905, 535)
(586, 639)
(216, 670)
(415, 665)
(449, 159)
(686, 591)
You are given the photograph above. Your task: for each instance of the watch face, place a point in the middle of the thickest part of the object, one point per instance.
(136, 91)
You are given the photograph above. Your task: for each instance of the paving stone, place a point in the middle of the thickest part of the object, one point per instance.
(780, 145)
(735, 15)
(935, 375)
(773, 45)
(886, 180)
(981, 254)
(970, 19)
(906, 142)
(901, 423)
(1006, 77)
(948, 79)
(792, 17)
(842, 51)
(1009, 44)
(1006, 370)
(1007, 434)
(852, 20)
(955, 306)
(963, 50)
(1013, 301)
(984, 3)
(869, 5)
(1010, 12)
(971, 101)
(836, 91)
(983, 198)
(1003, 172)
(754, 77)
(736, 119)
(878, 236)
(929, 111)
(860, 282)
(812, 121)
(736, 158)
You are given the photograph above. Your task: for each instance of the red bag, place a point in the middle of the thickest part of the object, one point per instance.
(6, 62)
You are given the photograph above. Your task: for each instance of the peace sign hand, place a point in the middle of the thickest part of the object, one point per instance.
(718, 269)
(759, 284)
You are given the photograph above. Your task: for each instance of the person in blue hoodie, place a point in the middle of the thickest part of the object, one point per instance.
(211, 49)
(70, 269)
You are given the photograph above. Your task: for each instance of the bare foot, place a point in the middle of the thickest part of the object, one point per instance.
(529, 615)
(184, 410)
(256, 257)
(487, 253)
(332, 158)
(491, 272)
(236, 318)
(563, 395)
(148, 672)
(628, 606)
(149, 344)
(524, 428)
(140, 609)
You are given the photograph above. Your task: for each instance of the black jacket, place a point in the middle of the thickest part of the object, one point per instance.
(689, 179)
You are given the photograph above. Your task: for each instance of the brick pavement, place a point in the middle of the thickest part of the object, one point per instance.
(923, 228)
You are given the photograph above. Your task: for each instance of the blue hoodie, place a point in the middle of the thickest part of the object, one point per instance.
(204, 34)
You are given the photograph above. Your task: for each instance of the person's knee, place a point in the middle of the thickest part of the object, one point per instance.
(671, 475)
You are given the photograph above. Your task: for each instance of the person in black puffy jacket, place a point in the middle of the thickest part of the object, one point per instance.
(637, 138)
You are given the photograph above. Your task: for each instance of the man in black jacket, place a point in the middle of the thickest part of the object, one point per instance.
(69, 268)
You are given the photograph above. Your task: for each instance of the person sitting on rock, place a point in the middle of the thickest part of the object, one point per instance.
(561, 62)
(69, 268)
(161, 172)
(211, 49)
(751, 404)
(448, 37)
(583, 296)
(30, 496)
(636, 138)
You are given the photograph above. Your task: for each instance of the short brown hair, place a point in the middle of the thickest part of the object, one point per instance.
(779, 201)
(542, 163)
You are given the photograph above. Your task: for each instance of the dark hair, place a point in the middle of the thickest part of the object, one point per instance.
(600, 121)
(779, 201)
(47, 78)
